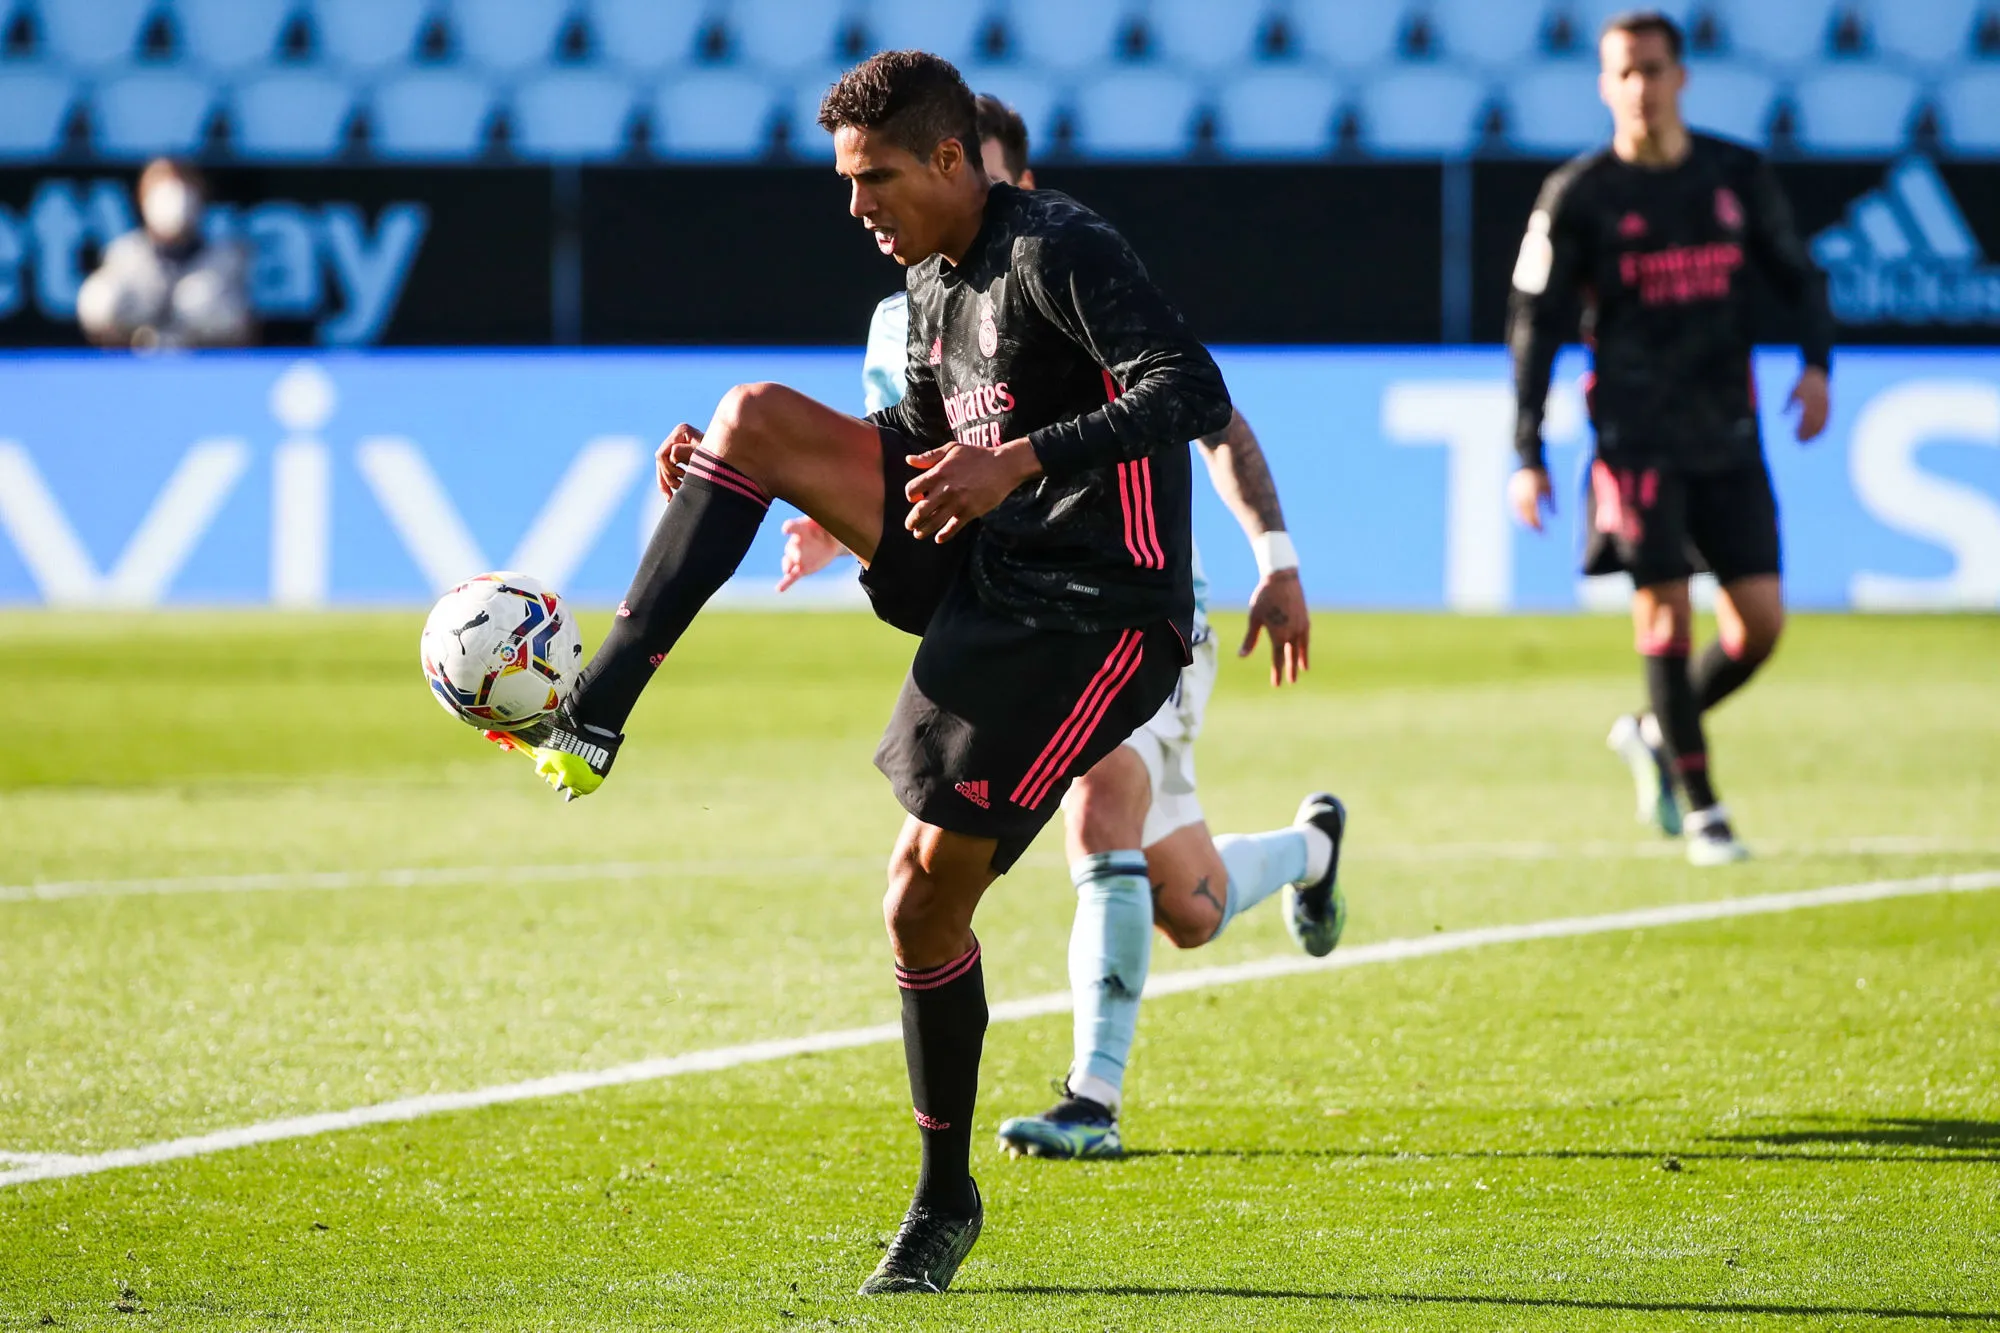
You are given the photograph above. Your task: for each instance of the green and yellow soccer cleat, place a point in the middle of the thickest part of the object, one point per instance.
(572, 757)
(1075, 1127)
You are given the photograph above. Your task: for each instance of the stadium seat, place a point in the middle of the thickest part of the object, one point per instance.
(1201, 34)
(649, 35)
(1554, 109)
(950, 29)
(786, 34)
(1031, 94)
(1590, 16)
(1734, 101)
(1349, 33)
(149, 112)
(292, 114)
(570, 114)
(1278, 112)
(720, 115)
(368, 34)
(1928, 32)
(1487, 32)
(1969, 109)
(1855, 109)
(230, 34)
(507, 36)
(804, 138)
(1136, 113)
(34, 104)
(89, 34)
(1065, 34)
(437, 114)
(1424, 111)
(1797, 32)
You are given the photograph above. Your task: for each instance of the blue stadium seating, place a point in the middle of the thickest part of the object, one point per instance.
(34, 103)
(1347, 32)
(291, 114)
(807, 141)
(507, 35)
(1732, 100)
(573, 114)
(230, 34)
(431, 114)
(1201, 34)
(1280, 77)
(1137, 113)
(1487, 32)
(1969, 109)
(949, 27)
(1554, 109)
(147, 112)
(86, 34)
(1423, 112)
(1065, 34)
(1927, 32)
(1278, 112)
(1857, 109)
(722, 115)
(368, 34)
(647, 35)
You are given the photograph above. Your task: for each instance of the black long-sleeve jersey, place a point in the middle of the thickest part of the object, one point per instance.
(1656, 259)
(1050, 329)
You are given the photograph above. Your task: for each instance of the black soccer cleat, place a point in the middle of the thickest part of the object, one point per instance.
(1316, 913)
(926, 1253)
(572, 757)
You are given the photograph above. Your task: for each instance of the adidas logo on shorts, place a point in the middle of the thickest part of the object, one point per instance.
(975, 792)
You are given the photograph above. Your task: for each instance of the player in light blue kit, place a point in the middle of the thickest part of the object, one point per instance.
(1191, 884)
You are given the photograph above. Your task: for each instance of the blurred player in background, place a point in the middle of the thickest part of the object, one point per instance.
(166, 285)
(1657, 236)
(1143, 793)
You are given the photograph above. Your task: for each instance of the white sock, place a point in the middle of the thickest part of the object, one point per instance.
(1110, 952)
(1260, 864)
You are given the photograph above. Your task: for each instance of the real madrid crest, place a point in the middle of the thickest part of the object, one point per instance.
(989, 332)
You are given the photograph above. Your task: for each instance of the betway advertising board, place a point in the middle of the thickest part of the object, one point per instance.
(356, 479)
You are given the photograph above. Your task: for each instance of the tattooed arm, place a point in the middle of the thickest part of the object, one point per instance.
(1243, 480)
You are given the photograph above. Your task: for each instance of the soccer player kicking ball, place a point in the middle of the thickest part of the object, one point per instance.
(1024, 509)
(1659, 235)
(1143, 793)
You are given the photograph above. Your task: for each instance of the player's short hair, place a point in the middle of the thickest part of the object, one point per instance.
(175, 168)
(1640, 21)
(915, 99)
(1003, 124)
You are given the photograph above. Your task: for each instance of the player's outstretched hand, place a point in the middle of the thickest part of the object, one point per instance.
(1530, 496)
(1279, 606)
(809, 548)
(1810, 395)
(670, 459)
(961, 482)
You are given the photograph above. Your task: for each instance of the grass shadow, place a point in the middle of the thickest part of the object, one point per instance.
(1772, 1154)
(1966, 1140)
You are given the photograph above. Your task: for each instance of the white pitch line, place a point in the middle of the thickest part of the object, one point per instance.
(59, 1166)
(416, 877)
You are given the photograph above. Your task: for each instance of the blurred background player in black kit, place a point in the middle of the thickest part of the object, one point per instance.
(1024, 509)
(1656, 237)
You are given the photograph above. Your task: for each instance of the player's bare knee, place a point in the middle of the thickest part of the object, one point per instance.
(1106, 807)
(742, 426)
(1187, 925)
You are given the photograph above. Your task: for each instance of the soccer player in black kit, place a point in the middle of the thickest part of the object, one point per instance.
(1024, 508)
(1655, 237)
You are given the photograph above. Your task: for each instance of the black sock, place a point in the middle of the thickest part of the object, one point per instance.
(1680, 724)
(700, 540)
(1720, 673)
(944, 1026)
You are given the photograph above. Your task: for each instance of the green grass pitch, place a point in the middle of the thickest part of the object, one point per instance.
(1778, 1121)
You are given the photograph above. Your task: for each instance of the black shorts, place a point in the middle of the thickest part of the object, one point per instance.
(996, 718)
(1661, 525)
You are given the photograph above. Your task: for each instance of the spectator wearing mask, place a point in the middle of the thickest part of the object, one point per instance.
(166, 285)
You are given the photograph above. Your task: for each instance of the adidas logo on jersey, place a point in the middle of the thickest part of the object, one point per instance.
(1904, 255)
(975, 792)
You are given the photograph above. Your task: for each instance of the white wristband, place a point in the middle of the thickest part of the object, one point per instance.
(1274, 552)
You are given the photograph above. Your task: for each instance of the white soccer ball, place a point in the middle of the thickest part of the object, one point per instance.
(501, 651)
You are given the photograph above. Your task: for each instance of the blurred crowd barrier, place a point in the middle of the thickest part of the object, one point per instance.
(379, 478)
